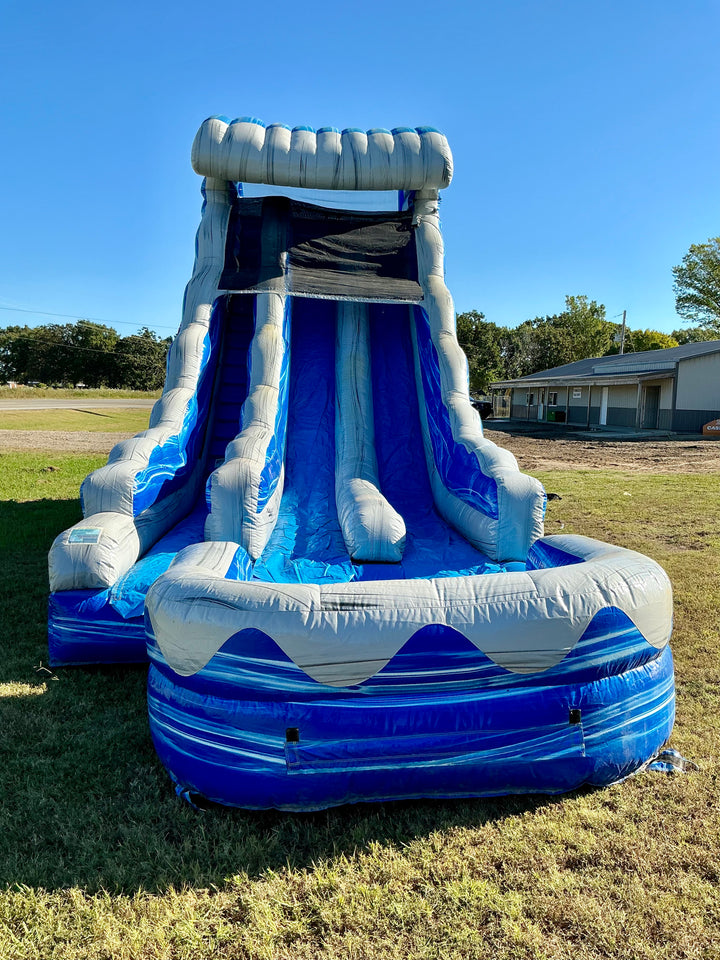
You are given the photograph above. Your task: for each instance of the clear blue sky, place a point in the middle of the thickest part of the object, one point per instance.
(585, 138)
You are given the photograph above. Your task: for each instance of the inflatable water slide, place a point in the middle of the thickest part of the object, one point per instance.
(342, 587)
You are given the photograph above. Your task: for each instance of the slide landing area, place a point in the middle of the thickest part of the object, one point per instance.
(306, 545)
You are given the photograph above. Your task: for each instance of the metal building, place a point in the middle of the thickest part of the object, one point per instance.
(676, 389)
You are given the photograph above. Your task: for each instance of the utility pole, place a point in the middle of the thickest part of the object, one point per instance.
(622, 335)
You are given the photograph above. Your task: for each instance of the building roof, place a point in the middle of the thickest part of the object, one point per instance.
(645, 363)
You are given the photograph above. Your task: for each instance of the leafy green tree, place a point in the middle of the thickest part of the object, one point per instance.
(140, 360)
(580, 331)
(499, 353)
(637, 341)
(651, 340)
(481, 343)
(584, 321)
(82, 352)
(697, 285)
(543, 343)
(92, 347)
(16, 345)
(694, 335)
(493, 352)
(519, 353)
(34, 353)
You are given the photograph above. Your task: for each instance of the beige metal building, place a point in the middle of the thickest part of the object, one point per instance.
(676, 389)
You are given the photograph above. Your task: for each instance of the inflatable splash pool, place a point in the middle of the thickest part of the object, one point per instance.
(342, 586)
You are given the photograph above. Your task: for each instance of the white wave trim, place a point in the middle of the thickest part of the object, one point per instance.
(345, 633)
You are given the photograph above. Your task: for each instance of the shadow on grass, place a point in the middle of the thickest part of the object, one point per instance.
(84, 801)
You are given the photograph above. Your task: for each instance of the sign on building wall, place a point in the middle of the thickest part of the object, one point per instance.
(577, 393)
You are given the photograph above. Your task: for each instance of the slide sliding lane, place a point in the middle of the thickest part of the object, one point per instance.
(373, 531)
(307, 544)
(434, 548)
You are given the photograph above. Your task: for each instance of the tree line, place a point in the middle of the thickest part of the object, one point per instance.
(85, 353)
(582, 330)
(96, 355)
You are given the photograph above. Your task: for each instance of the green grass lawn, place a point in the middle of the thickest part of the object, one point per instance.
(98, 859)
(96, 421)
(70, 393)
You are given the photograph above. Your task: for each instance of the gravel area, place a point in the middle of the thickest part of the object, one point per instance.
(539, 449)
(535, 449)
(65, 441)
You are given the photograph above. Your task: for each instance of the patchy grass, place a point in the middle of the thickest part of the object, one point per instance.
(37, 484)
(70, 393)
(107, 420)
(98, 859)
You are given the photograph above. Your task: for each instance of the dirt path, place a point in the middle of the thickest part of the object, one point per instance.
(568, 451)
(60, 441)
(548, 451)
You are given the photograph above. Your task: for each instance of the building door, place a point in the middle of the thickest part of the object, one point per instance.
(603, 407)
(541, 406)
(651, 408)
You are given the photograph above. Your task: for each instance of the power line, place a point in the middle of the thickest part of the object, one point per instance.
(58, 344)
(70, 316)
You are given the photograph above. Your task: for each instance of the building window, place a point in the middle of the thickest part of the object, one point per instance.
(552, 399)
(530, 399)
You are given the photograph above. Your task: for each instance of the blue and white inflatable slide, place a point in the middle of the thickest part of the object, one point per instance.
(342, 587)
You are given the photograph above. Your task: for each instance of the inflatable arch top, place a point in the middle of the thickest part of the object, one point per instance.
(343, 587)
(404, 158)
